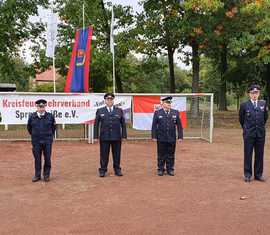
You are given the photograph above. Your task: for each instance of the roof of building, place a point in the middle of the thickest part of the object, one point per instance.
(47, 76)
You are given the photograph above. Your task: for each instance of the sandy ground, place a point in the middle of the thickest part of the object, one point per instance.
(204, 197)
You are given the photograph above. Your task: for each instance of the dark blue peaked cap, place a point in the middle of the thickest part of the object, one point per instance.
(168, 98)
(109, 95)
(254, 87)
(41, 102)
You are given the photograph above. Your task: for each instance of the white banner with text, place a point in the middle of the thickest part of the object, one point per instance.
(66, 108)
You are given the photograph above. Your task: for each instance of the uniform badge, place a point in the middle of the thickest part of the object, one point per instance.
(174, 116)
(102, 114)
(160, 116)
(262, 108)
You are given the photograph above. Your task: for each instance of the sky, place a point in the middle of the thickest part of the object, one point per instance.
(133, 3)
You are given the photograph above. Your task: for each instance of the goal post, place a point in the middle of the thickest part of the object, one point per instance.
(197, 109)
(196, 112)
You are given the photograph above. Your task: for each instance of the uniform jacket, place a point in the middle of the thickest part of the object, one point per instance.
(252, 119)
(164, 126)
(110, 125)
(42, 128)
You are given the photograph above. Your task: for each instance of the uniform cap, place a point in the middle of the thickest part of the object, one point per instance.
(254, 88)
(167, 99)
(41, 102)
(109, 95)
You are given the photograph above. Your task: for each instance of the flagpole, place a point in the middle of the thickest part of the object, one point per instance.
(54, 72)
(83, 15)
(113, 74)
(112, 49)
(54, 75)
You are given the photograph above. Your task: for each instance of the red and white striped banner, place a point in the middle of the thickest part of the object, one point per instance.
(145, 106)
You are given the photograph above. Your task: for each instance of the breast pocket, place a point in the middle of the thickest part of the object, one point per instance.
(174, 119)
(248, 114)
(102, 117)
(116, 116)
(262, 109)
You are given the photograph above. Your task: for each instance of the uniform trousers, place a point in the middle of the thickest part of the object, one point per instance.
(46, 149)
(166, 155)
(105, 146)
(256, 144)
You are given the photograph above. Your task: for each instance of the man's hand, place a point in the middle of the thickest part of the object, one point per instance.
(154, 139)
(95, 140)
(180, 140)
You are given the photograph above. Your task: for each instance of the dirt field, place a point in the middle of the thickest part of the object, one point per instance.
(202, 198)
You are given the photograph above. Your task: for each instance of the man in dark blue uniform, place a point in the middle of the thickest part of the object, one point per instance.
(110, 128)
(41, 126)
(253, 115)
(164, 126)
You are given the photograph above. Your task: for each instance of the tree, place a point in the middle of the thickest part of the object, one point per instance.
(149, 75)
(232, 23)
(15, 29)
(160, 26)
(196, 28)
(251, 51)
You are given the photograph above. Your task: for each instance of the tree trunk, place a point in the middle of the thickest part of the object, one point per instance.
(171, 67)
(223, 85)
(195, 79)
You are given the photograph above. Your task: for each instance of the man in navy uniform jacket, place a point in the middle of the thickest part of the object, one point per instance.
(41, 126)
(110, 128)
(253, 115)
(164, 126)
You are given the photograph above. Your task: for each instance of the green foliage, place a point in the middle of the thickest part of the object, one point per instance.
(16, 71)
(232, 38)
(150, 75)
(159, 26)
(15, 29)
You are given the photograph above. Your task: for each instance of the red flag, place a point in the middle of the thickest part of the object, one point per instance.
(78, 73)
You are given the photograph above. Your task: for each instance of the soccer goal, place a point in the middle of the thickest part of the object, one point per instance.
(196, 112)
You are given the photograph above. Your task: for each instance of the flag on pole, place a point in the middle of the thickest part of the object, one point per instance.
(111, 34)
(112, 49)
(145, 106)
(78, 73)
(51, 34)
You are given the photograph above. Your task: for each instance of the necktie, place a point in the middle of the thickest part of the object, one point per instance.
(110, 109)
(255, 104)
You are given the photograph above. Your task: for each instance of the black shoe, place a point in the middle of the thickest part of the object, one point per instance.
(171, 173)
(160, 172)
(36, 178)
(118, 173)
(46, 178)
(102, 174)
(247, 179)
(260, 178)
